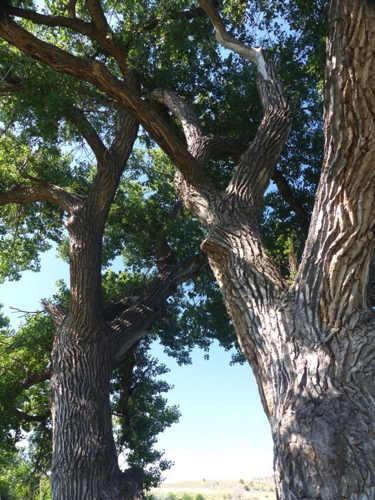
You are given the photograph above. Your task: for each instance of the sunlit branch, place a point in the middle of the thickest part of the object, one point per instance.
(183, 111)
(252, 54)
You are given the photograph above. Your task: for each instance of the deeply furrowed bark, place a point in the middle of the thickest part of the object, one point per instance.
(311, 344)
(85, 459)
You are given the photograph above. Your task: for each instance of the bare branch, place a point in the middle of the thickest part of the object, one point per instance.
(219, 144)
(97, 15)
(121, 146)
(57, 313)
(71, 8)
(254, 55)
(73, 23)
(201, 146)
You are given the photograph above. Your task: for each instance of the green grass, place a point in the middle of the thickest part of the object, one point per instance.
(252, 489)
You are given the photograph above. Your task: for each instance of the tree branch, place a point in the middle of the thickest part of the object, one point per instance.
(71, 8)
(98, 30)
(73, 23)
(255, 55)
(126, 381)
(183, 111)
(185, 14)
(120, 145)
(288, 196)
(45, 191)
(88, 132)
(10, 85)
(36, 378)
(201, 146)
(135, 317)
(97, 15)
(257, 164)
(57, 313)
(25, 417)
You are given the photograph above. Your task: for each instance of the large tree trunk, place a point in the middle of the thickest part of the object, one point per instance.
(317, 386)
(323, 419)
(84, 460)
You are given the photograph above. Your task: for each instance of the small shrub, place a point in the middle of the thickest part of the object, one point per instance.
(171, 496)
(186, 496)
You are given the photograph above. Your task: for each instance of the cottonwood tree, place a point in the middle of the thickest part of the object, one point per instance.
(308, 338)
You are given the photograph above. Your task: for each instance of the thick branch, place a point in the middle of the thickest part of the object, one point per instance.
(97, 15)
(201, 146)
(258, 162)
(135, 317)
(71, 8)
(88, 132)
(73, 23)
(98, 30)
(183, 111)
(44, 191)
(36, 378)
(57, 313)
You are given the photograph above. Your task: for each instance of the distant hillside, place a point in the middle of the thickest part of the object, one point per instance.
(252, 489)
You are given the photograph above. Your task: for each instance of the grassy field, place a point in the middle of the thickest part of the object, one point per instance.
(252, 489)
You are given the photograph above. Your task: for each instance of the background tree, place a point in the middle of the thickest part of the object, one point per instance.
(307, 336)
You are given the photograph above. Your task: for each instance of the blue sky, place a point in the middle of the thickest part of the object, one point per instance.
(223, 432)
